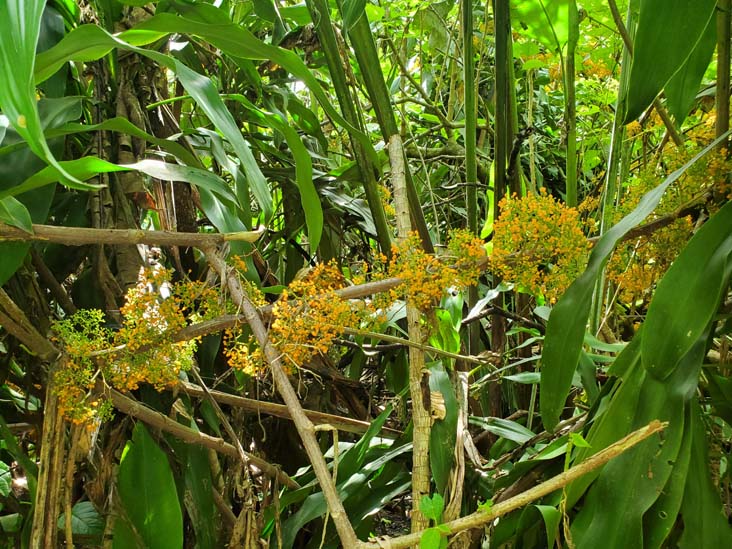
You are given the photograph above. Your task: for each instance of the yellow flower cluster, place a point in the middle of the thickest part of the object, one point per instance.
(636, 266)
(427, 277)
(538, 244)
(75, 376)
(145, 355)
(307, 318)
(595, 69)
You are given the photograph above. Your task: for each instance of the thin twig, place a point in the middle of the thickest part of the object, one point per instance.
(345, 424)
(137, 409)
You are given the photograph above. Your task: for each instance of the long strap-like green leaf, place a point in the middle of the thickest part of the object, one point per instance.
(568, 321)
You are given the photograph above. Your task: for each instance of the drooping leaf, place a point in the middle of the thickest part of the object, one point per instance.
(147, 493)
(658, 50)
(20, 23)
(86, 43)
(504, 428)
(303, 168)
(688, 295)
(549, 515)
(568, 321)
(93, 42)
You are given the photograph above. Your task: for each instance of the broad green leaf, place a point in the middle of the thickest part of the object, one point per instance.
(568, 321)
(303, 168)
(682, 89)
(443, 433)
(20, 23)
(432, 507)
(12, 212)
(611, 501)
(704, 519)
(199, 496)
(85, 520)
(203, 179)
(660, 519)
(82, 168)
(6, 479)
(431, 539)
(666, 35)
(147, 493)
(579, 441)
(688, 295)
(550, 516)
(446, 337)
(12, 523)
(527, 378)
(122, 125)
(547, 21)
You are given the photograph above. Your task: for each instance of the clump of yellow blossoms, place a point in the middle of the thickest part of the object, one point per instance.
(81, 334)
(637, 265)
(310, 315)
(427, 277)
(538, 244)
(141, 351)
(307, 318)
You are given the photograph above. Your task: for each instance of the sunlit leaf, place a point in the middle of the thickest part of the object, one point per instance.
(658, 50)
(20, 22)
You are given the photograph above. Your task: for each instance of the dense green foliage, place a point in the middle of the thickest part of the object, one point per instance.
(564, 169)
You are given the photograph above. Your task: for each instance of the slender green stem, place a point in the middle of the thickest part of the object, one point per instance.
(570, 105)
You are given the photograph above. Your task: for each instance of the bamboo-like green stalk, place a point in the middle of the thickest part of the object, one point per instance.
(613, 168)
(570, 109)
(362, 42)
(502, 130)
(471, 160)
(723, 66)
(471, 164)
(502, 16)
(320, 13)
